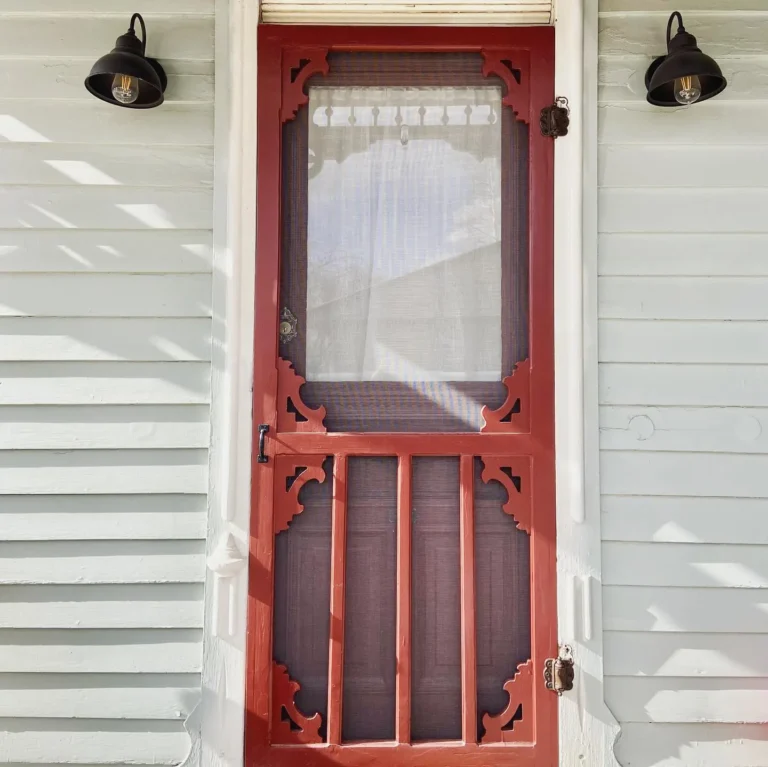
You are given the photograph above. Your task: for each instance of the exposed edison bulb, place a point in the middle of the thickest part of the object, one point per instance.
(125, 89)
(687, 89)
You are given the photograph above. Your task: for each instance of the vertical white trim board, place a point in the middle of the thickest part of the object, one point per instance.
(587, 728)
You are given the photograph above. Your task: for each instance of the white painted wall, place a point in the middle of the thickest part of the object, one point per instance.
(683, 301)
(105, 325)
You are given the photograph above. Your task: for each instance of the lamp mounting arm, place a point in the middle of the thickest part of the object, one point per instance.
(137, 17)
(680, 27)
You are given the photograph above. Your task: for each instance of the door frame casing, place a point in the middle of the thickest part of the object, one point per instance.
(587, 728)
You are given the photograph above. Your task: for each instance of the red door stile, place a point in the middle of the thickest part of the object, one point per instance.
(525, 452)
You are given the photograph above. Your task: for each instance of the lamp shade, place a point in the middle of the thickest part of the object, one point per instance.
(684, 59)
(127, 59)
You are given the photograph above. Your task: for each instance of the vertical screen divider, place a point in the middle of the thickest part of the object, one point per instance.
(403, 673)
(468, 610)
(338, 570)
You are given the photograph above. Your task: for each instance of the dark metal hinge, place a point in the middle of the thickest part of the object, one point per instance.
(555, 119)
(559, 672)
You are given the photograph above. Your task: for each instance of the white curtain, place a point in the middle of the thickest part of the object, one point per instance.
(404, 234)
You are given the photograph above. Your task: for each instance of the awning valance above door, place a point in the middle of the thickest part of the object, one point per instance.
(402, 12)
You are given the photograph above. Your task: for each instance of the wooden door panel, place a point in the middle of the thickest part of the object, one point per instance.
(402, 547)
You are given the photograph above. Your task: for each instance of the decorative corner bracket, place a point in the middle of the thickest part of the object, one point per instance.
(292, 472)
(299, 64)
(511, 67)
(300, 418)
(514, 473)
(513, 724)
(555, 119)
(514, 415)
(296, 728)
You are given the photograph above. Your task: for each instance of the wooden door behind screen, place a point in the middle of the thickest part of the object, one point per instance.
(402, 570)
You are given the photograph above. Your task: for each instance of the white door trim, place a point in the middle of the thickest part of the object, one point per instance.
(587, 729)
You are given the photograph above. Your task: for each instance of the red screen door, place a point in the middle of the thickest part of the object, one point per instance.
(402, 569)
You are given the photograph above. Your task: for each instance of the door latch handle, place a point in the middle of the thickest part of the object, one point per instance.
(262, 456)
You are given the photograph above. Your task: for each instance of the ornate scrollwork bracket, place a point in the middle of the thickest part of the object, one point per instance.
(514, 415)
(296, 728)
(299, 64)
(292, 414)
(511, 67)
(292, 472)
(513, 724)
(514, 473)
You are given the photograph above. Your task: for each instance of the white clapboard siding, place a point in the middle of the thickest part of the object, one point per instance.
(132, 166)
(109, 207)
(97, 295)
(684, 520)
(684, 298)
(104, 383)
(628, 340)
(98, 696)
(685, 610)
(164, 251)
(725, 430)
(683, 388)
(69, 339)
(636, 653)
(160, 605)
(685, 745)
(685, 564)
(48, 472)
(684, 384)
(118, 651)
(649, 699)
(102, 517)
(88, 743)
(59, 562)
(675, 255)
(105, 349)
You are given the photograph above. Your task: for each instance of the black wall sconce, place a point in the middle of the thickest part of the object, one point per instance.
(126, 77)
(685, 75)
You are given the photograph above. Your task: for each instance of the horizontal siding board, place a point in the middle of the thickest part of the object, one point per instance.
(104, 383)
(76, 339)
(694, 385)
(642, 123)
(98, 295)
(639, 653)
(648, 699)
(656, 166)
(683, 210)
(683, 298)
(85, 38)
(688, 474)
(51, 78)
(102, 607)
(63, 164)
(99, 696)
(623, 79)
(663, 7)
(684, 520)
(685, 564)
(727, 34)
(111, 207)
(109, 251)
(686, 610)
(686, 341)
(716, 430)
(105, 7)
(94, 122)
(102, 472)
(94, 562)
(116, 651)
(689, 744)
(697, 255)
(103, 517)
(49, 742)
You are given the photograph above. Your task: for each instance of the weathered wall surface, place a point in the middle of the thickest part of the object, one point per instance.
(684, 391)
(105, 272)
